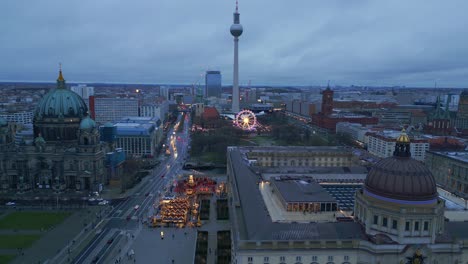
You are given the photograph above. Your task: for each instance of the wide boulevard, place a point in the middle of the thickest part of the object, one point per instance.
(127, 217)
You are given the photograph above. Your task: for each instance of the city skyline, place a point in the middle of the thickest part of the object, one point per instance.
(302, 44)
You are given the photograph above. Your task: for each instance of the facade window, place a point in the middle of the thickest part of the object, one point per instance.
(407, 226)
(376, 219)
(416, 226)
(346, 258)
(314, 258)
(426, 225)
(330, 258)
(266, 259)
(394, 224)
(384, 221)
(250, 259)
(282, 258)
(298, 258)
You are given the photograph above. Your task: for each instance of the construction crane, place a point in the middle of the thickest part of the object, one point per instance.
(199, 90)
(247, 92)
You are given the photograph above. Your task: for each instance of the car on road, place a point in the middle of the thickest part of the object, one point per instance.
(162, 234)
(10, 203)
(95, 259)
(147, 194)
(129, 217)
(162, 176)
(103, 202)
(136, 207)
(110, 241)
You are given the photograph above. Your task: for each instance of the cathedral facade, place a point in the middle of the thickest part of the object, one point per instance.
(66, 153)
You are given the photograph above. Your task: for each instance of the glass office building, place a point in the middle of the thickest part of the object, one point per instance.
(213, 84)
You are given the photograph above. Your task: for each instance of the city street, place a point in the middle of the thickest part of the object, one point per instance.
(126, 220)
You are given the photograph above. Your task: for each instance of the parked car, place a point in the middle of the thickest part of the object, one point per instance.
(10, 203)
(103, 202)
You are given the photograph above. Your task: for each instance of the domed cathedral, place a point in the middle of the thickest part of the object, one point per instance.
(399, 201)
(66, 153)
(59, 113)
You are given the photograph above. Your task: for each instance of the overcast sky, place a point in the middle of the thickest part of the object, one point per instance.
(299, 42)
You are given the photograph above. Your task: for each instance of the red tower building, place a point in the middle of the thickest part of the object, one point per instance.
(326, 119)
(327, 102)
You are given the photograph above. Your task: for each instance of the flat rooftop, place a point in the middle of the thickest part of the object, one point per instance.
(456, 155)
(302, 191)
(279, 214)
(295, 149)
(314, 170)
(251, 219)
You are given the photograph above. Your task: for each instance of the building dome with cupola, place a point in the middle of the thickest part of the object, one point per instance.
(87, 123)
(59, 113)
(66, 153)
(399, 199)
(401, 178)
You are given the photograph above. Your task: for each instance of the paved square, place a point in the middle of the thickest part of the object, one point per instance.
(150, 248)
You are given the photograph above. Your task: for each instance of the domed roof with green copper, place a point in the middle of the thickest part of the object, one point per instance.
(61, 103)
(87, 123)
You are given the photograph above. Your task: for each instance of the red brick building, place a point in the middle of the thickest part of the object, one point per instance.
(326, 119)
(210, 117)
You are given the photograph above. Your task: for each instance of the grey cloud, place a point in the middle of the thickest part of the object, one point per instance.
(299, 43)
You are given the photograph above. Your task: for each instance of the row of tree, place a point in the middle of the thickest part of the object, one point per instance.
(215, 141)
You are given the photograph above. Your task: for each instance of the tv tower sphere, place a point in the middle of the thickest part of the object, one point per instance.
(236, 30)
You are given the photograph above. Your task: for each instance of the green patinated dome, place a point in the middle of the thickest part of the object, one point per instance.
(61, 103)
(87, 123)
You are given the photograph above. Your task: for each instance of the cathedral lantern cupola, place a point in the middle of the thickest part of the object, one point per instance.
(88, 133)
(402, 146)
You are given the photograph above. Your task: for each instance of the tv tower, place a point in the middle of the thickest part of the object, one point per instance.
(236, 31)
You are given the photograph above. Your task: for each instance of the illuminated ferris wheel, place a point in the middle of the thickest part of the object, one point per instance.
(246, 120)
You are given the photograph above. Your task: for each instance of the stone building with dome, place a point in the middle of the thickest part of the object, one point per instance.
(399, 199)
(398, 216)
(66, 153)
